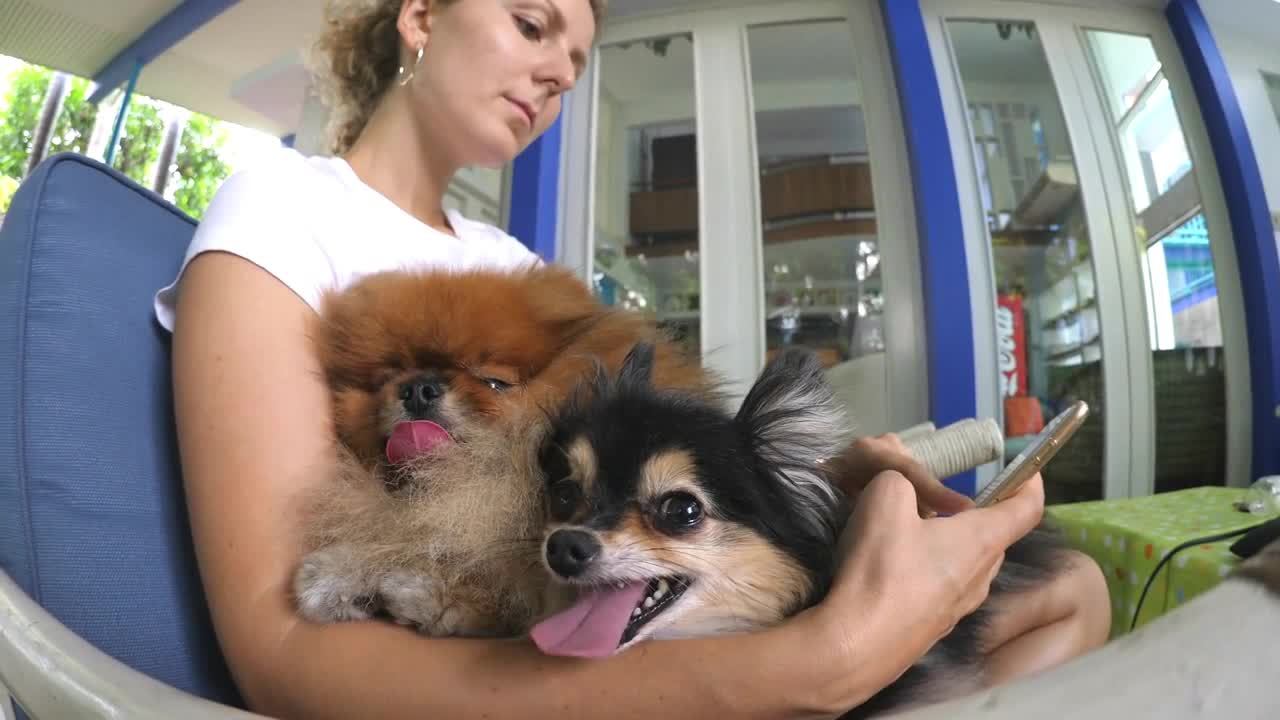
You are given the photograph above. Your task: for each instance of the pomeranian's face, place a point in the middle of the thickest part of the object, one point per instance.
(458, 350)
(673, 518)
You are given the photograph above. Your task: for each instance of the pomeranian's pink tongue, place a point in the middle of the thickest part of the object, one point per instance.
(593, 627)
(415, 437)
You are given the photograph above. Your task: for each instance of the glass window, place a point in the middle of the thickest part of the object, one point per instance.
(646, 204)
(1048, 328)
(822, 271)
(477, 193)
(1184, 324)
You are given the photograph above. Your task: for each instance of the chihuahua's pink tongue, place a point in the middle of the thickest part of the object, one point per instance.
(593, 627)
(415, 437)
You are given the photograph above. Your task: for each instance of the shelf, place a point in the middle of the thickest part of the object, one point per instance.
(1049, 323)
(817, 228)
(828, 357)
(1051, 194)
(1065, 351)
(816, 197)
(771, 313)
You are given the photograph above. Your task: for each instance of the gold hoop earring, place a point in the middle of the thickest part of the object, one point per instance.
(414, 70)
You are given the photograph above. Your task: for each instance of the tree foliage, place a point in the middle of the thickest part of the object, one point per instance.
(199, 169)
(139, 144)
(18, 112)
(195, 174)
(8, 186)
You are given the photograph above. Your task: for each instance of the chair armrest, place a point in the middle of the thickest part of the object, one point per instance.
(54, 673)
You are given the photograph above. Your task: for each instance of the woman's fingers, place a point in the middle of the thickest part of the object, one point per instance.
(869, 456)
(1002, 524)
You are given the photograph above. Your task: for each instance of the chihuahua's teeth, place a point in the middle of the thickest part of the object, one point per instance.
(635, 613)
(620, 585)
(648, 602)
(662, 589)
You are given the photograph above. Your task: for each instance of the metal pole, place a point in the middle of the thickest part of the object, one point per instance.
(175, 122)
(124, 111)
(53, 99)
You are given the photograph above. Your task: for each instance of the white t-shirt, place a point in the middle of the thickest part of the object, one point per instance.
(313, 224)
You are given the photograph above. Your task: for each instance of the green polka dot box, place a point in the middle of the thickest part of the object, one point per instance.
(1128, 538)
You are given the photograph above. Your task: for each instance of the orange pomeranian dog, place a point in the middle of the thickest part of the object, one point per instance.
(442, 383)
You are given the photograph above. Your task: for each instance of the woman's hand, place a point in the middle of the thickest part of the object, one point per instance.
(914, 577)
(867, 457)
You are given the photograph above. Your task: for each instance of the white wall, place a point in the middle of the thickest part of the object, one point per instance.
(313, 126)
(1246, 58)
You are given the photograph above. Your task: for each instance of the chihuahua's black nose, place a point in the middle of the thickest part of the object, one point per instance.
(421, 394)
(570, 552)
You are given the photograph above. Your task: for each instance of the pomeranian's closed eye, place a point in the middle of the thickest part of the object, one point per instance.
(452, 349)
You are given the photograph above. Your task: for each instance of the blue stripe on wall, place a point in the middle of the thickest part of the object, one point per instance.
(1250, 224)
(535, 182)
(948, 314)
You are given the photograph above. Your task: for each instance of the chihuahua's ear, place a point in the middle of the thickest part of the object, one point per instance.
(594, 384)
(598, 384)
(792, 396)
(637, 368)
(794, 420)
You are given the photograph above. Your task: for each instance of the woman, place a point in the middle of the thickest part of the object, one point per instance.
(422, 89)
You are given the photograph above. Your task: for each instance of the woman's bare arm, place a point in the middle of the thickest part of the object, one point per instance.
(253, 426)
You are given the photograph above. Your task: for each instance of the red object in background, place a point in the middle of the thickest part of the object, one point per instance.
(1011, 335)
(1022, 416)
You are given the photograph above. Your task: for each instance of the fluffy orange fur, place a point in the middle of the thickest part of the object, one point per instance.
(455, 551)
(537, 329)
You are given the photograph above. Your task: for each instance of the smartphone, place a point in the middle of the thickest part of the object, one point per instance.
(1035, 456)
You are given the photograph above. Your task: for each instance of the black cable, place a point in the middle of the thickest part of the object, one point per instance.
(1198, 541)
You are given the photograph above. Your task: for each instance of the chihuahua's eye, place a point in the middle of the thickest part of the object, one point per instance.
(564, 495)
(528, 28)
(496, 385)
(679, 511)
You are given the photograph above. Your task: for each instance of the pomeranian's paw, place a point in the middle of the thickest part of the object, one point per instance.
(330, 587)
(425, 603)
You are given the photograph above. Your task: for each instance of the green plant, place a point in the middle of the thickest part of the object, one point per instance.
(8, 186)
(194, 176)
(20, 110)
(199, 169)
(138, 147)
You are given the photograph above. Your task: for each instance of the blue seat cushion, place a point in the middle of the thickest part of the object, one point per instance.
(94, 525)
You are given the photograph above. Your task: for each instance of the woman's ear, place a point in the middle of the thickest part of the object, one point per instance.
(414, 22)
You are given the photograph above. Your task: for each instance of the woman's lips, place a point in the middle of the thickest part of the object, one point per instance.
(529, 113)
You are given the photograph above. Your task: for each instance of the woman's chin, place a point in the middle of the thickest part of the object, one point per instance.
(496, 149)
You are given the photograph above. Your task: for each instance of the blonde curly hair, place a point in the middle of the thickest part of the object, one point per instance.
(358, 55)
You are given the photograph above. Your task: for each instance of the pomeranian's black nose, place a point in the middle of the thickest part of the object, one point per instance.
(421, 394)
(570, 552)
